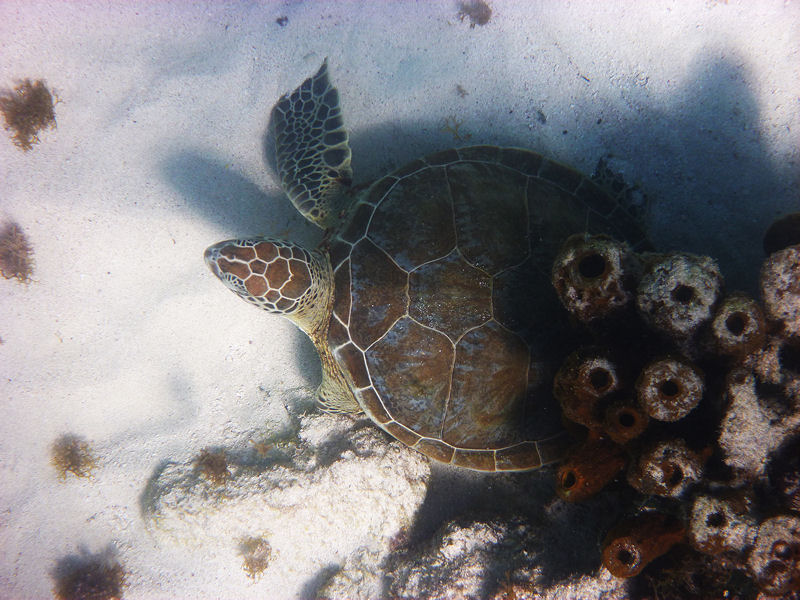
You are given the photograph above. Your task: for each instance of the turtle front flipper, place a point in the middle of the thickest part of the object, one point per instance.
(312, 150)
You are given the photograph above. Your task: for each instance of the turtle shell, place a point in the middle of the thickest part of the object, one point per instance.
(444, 317)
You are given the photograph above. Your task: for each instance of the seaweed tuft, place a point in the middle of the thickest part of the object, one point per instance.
(213, 466)
(88, 577)
(256, 553)
(27, 110)
(16, 253)
(72, 454)
(477, 11)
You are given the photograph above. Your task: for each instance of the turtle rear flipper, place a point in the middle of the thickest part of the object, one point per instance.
(312, 150)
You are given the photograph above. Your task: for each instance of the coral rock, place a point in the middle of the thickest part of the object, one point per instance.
(667, 468)
(780, 289)
(669, 388)
(738, 327)
(343, 488)
(631, 545)
(586, 377)
(463, 557)
(719, 524)
(775, 559)
(784, 474)
(588, 469)
(756, 422)
(678, 292)
(594, 276)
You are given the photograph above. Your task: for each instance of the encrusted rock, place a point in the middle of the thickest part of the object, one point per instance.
(758, 419)
(780, 289)
(721, 524)
(678, 292)
(464, 558)
(343, 487)
(775, 559)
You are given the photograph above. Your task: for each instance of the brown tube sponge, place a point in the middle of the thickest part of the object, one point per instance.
(631, 545)
(587, 376)
(738, 327)
(588, 469)
(594, 276)
(624, 421)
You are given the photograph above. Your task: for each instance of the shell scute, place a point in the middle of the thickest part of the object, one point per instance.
(490, 380)
(377, 291)
(518, 456)
(353, 358)
(423, 234)
(526, 163)
(410, 369)
(341, 292)
(492, 235)
(450, 295)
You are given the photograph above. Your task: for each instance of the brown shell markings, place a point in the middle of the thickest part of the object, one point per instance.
(444, 318)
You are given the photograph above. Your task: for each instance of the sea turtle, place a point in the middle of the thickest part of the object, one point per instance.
(429, 300)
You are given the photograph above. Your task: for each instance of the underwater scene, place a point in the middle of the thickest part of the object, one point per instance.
(518, 308)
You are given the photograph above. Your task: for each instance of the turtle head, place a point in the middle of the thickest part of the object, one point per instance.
(277, 276)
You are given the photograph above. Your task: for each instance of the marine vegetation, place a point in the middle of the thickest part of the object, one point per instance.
(27, 110)
(477, 11)
(88, 577)
(72, 454)
(256, 553)
(693, 393)
(15, 253)
(213, 465)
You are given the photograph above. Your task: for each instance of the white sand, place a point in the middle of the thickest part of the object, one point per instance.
(125, 338)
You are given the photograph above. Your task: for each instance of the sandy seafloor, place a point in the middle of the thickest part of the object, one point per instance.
(125, 338)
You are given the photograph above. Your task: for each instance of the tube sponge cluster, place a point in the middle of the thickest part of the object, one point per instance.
(690, 395)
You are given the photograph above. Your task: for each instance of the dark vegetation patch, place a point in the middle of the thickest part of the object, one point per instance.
(72, 454)
(15, 253)
(27, 110)
(477, 11)
(88, 577)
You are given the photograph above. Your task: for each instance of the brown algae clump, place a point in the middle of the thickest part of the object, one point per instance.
(213, 466)
(95, 577)
(257, 553)
(15, 253)
(477, 11)
(72, 454)
(27, 109)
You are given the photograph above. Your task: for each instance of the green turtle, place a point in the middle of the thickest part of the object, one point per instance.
(429, 300)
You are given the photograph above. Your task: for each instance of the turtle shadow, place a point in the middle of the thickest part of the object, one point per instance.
(702, 158)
